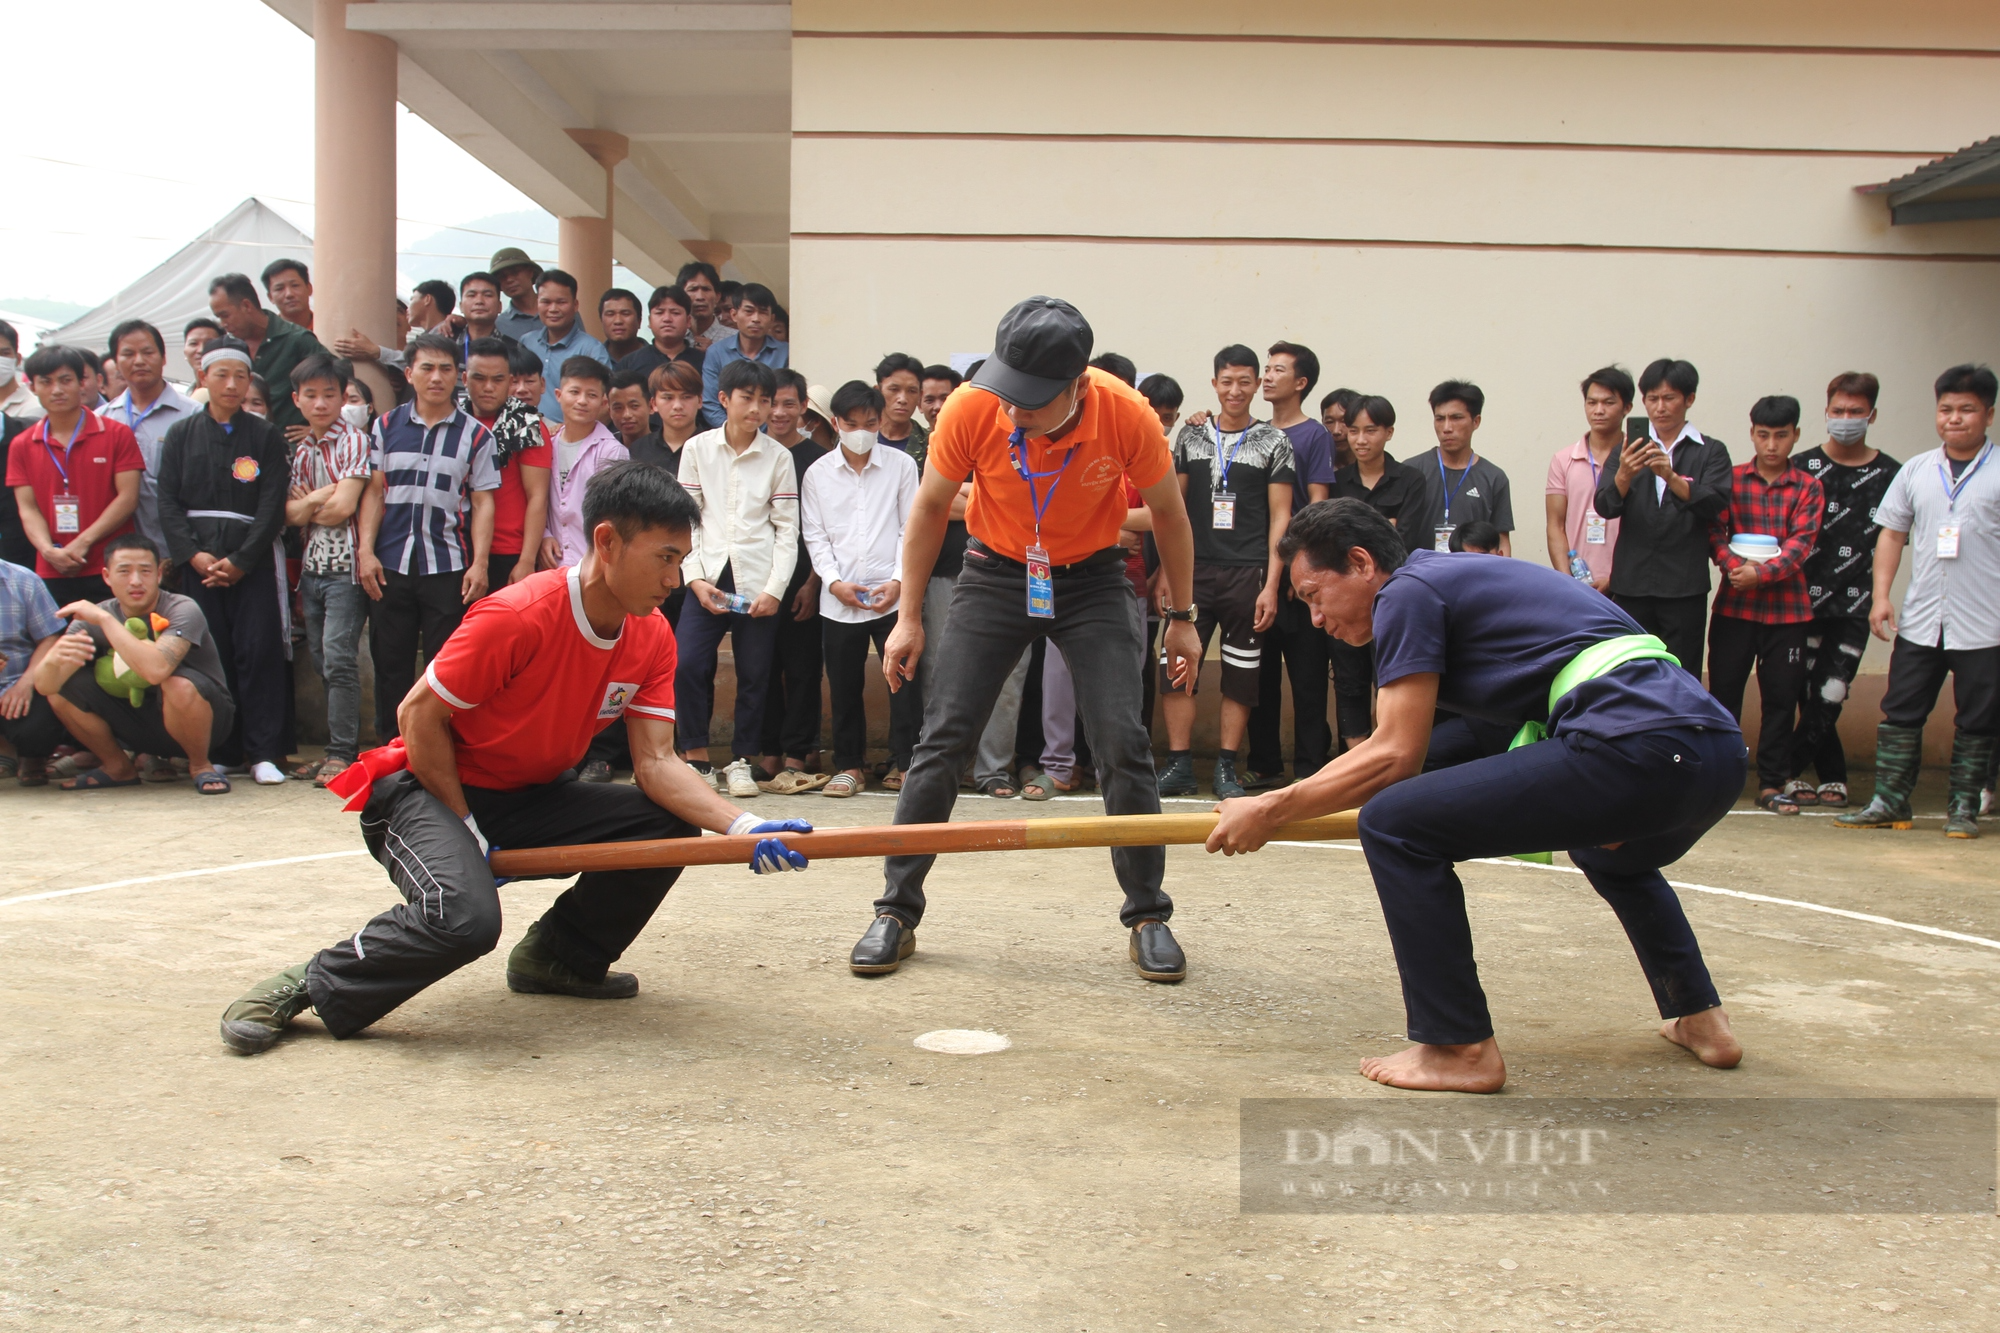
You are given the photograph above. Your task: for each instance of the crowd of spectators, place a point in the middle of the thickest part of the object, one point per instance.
(270, 499)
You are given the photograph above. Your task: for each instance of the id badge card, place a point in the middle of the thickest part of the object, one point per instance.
(1224, 512)
(1947, 547)
(69, 515)
(1041, 585)
(1441, 537)
(1593, 529)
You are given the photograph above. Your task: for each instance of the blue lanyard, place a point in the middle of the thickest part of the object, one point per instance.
(47, 432)
(1451, 492)
(133, 421)
(1223, 464)
(1017, 449)
(1965, 478)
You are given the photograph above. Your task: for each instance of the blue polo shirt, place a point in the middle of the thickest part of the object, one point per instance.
(553, 353)
(721, 352)
(1497, 630)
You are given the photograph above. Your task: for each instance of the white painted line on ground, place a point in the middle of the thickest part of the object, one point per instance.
(1873, 920)
(178, 874)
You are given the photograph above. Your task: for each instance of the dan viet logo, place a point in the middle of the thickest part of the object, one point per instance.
(1364, 1145)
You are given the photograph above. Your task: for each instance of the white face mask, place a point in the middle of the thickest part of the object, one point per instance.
(355, 415)
(10, 368)
(1847, 430)
(858, 441)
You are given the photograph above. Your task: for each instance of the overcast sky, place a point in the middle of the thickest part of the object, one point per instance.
(134, 124)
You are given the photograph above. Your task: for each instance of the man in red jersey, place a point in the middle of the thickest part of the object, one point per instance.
(490, 738)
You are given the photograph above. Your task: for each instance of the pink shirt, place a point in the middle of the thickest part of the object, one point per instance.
(597, 451)
(1574, 473)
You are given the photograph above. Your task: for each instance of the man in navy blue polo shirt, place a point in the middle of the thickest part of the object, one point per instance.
(1638, 762)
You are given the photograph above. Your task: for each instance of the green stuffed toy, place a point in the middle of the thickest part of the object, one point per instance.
(114, 676)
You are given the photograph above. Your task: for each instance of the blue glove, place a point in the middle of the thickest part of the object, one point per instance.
(771, 854)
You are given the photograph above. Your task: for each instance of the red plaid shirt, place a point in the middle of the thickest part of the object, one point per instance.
(1788, 509)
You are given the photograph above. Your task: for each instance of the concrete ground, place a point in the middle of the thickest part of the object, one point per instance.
(755, 1141)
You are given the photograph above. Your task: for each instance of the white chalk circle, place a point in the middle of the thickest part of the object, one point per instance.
(962, 1041)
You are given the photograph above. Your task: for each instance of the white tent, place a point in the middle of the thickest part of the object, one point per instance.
(251, 236)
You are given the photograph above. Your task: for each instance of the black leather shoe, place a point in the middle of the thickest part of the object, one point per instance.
(1155, 952)
(883, 949)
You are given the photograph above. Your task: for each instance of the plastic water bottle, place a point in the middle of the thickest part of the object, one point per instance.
(738, 603)
(864, 596)
(1578, 570)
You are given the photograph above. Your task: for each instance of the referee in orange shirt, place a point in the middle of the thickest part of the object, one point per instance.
(1046, 442)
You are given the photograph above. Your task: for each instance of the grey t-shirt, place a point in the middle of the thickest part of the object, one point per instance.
(184, 618)
(1476, 494)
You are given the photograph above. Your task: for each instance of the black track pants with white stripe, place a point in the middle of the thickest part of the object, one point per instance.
(450, 913)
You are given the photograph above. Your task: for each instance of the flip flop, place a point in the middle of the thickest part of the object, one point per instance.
(94, 779)
(1039, 787)
(211, 783)
(792, 782)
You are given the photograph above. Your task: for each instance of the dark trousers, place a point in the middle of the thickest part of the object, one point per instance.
(500, 568)
(450, 913)
(1677, 622)
(247, 623)
(792, 700)
(77, 588)
(1779, 654)
(1916, 674)
(1460, 740)
(1353, 678)
(1296, 647)
(36, 733)
(1098, 624)
(753, 642)
(847, 675)
(1833, 656)
(1653, 793)
(416, 611)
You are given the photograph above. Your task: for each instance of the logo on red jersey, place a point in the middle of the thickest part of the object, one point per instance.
(616, 695)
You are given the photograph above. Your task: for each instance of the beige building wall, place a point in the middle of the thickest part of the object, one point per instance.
(1513, 194)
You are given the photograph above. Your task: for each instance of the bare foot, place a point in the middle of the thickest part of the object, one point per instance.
(1474, 1068)
(1707, 1034)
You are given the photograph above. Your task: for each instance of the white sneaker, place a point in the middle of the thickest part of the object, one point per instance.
(267, 774)
(741, 780)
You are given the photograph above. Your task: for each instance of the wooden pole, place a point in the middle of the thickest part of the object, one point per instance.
(991, 835)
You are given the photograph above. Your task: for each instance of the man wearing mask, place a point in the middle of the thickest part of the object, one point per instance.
(17, 400)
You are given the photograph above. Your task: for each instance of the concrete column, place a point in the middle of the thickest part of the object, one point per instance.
(583, 245)
(354, 184)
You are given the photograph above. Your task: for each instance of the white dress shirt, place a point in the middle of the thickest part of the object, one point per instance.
(1688, 432)
(853, 523)
(749, 512)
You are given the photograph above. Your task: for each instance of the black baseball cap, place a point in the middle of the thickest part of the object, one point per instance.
(1040, 348)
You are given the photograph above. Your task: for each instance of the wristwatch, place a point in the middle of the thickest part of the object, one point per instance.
(1187, 615)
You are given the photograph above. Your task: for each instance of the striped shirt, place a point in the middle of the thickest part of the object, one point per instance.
(429, 474)
(341, 453)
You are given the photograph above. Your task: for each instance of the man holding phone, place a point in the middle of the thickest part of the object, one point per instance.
(1666, 483)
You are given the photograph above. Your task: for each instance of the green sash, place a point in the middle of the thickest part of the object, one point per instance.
(1597, 660)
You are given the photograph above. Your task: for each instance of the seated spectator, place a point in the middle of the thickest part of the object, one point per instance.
(289, 288)
(417, 557)
(224, 479)
(183, 708)
(1239, 498)
(749, 341)
(1479, 537)
(792, 711)
(702, 284)
(583, 448)
(522, 455)
(1939, 506)
(518, 277)
(738, 571)
(939, 383)
(628, 409)
(1763, 611)
(1576, 531)
(899, 377)
(29, 628)
(1667, 488)
(618, 316)
(17, 397)
(560, 337)
(670, 315)
(853, 505)
(329, 473)
(147, 405)
(75, 477)
(1459, 485)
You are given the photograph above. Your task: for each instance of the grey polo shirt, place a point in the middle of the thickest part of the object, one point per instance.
(1954, 602)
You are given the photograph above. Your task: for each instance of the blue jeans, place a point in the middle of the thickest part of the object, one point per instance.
(336, 609)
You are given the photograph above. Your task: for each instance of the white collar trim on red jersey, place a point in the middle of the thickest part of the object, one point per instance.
(576, 609)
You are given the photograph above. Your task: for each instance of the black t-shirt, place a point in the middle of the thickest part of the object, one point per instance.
(804, 454)
(1840, 572)
(1244, 466)
(652, 448)
(1456, 496)
(1399, 488)
(647, 358)
(15, 548)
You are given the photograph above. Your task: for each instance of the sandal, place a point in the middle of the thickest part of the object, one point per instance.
(1801, 792)
(1038, 787)
(329, 769)
(840, 785)
(95, 779)
(893, 779)
(159, 768)
(1778, 803)
(999, 787)
(792, 782)
(210, 783)
(1833, 795)
(307, 771)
